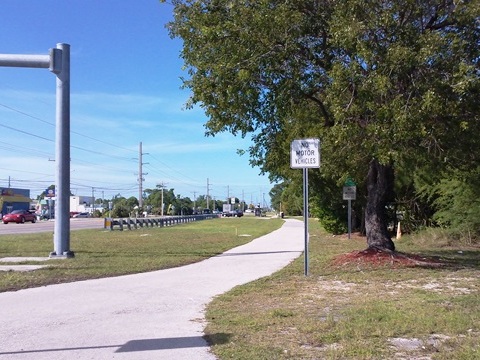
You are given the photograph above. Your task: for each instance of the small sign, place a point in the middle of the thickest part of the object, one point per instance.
(50, 193)
(349, 192)
(349, 182)
(305, 154)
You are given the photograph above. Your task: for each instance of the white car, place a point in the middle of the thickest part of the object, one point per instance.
(82, 215)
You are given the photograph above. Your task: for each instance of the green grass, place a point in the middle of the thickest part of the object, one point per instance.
(100, 253)
(354, 311)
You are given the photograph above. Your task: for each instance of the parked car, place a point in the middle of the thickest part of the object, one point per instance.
(82, 215)
(232, 213)
(237, 213)
(19, 216)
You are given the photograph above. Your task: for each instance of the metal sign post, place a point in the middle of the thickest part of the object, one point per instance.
(305, 218)
(305, 154)
(349, 193)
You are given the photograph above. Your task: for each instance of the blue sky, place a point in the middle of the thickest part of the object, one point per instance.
(125, 89)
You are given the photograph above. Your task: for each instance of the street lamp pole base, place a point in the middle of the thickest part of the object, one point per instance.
(65, 255)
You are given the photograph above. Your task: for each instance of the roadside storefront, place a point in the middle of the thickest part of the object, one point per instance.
(14, 199)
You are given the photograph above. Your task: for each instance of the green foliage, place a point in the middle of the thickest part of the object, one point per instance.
(457, 200)
(332, 223)
(292, 199)
(327, 204)
(120, 211)
(396, 82)
(276, 196)
(131, 202)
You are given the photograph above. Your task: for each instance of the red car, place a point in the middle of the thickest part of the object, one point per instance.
(19, 216)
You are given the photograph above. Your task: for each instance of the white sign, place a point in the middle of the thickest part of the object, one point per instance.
(349, 193)
(305, 154)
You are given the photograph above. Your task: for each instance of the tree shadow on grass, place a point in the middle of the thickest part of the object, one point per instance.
(455, 259)
(217, 338)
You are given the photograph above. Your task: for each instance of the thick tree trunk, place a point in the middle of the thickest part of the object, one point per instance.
(379, 186)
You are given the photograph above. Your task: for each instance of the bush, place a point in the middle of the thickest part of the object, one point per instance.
(454, 197)
(120, 211)
(333, 225)
(458, 209)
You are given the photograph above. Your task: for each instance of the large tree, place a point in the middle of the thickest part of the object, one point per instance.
(388, 86)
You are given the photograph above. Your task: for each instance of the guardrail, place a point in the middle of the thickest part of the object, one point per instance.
(137, 223)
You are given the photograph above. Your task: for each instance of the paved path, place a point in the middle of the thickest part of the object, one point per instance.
(156, 315)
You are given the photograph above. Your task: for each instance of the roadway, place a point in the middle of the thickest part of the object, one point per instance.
(48, 226)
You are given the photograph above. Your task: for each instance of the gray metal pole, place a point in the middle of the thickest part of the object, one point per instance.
(58, 62)
(161, 213)
(305, 216)
(31, 61)
(140, 178)
(61, 236)
(349, 218)
(208, 194)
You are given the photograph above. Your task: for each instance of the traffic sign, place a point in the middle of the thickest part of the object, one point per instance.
(305, 154)
(349, 182)
(50, 193)
(349, 193)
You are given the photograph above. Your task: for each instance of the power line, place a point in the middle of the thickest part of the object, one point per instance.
(73, 132)
(26, 132)
(196, 183)
(178, 172)
(27, 115)
(163, 170)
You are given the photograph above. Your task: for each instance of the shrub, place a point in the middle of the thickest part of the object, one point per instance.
(120, 211)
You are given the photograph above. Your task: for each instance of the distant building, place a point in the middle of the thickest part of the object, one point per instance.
(14, 199)
(81, 203)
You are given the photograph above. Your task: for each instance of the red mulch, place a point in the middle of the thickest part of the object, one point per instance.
(374, 257)
(381, 258)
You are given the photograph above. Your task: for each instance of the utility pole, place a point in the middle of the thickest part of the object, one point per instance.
(243, 200)
(93, 199)
(194, 202)
(141, 179)
(162, 185)
(208, 193)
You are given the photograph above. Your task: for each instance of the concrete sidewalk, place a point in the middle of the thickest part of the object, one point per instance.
(156, 315)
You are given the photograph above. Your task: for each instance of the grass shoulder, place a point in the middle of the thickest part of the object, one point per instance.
(355, 310)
